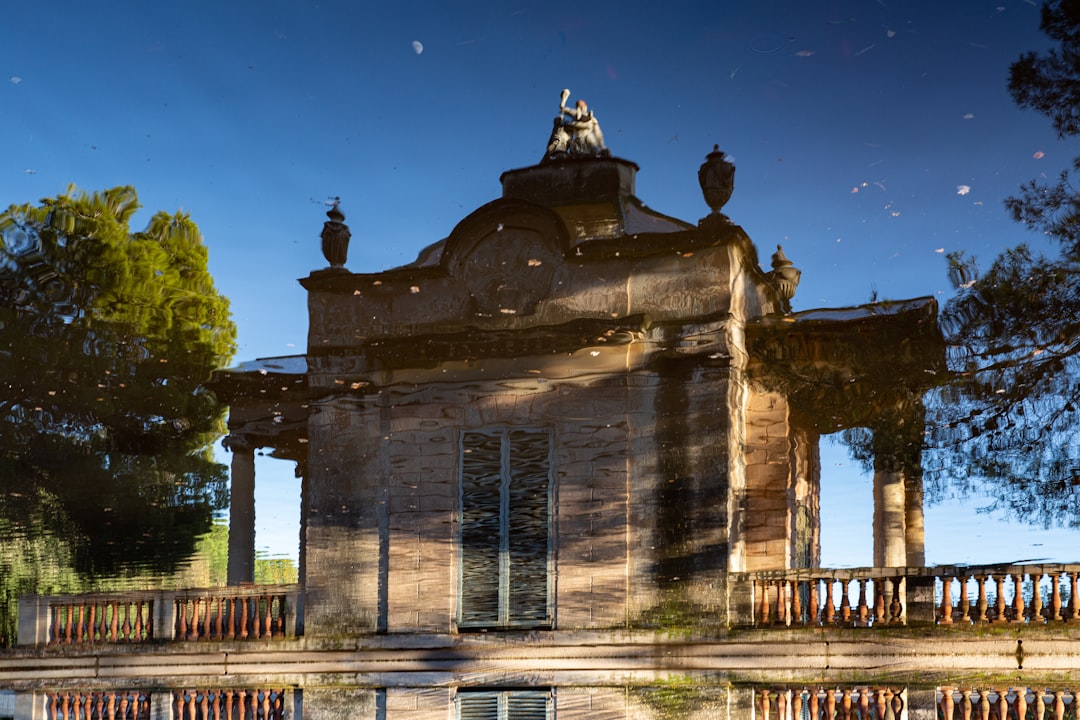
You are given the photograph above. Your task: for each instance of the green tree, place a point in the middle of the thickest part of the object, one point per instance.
(1009, 415)
(107, 337)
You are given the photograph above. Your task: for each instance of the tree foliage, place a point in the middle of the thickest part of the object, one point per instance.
(107, 337)
(1010, 414)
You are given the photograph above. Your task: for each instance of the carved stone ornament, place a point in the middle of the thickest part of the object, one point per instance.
(335, 236)
(785, 276)
(576, 133)
(717, 178)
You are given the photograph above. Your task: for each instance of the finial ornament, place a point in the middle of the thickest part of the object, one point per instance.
(576, 132)
(785, 276)
(717, 178)
(335, 236)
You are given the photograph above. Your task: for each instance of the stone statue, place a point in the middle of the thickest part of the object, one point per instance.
(576, 132)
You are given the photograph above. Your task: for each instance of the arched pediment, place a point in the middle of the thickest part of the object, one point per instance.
(507, 255)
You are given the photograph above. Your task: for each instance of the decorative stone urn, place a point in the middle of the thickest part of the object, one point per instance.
(785, 276)
(717, 178)
(335, 237)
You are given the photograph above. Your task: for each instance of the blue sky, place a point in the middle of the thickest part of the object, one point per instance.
(870, 138)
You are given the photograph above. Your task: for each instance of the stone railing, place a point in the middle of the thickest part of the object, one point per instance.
(229, 613)
(230, 703)
(957, 703)
(946, 595)
(885, 703)
(1001, 594)
(830, 703)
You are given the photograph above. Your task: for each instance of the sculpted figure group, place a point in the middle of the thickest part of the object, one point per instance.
(576, 132)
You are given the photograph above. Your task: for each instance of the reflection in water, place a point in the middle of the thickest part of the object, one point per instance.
(557, 465)
(678, 699)
(105, 424)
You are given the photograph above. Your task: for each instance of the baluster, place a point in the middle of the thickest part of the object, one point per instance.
(65, 701)
(896, 608)
(124, 705)
(256, 617)
(114, 620)
(233, 625)
(80, 623)
(864, 610)
(241, 701)
(965, 705)
(207, 618)
(1054, 611)
(266, 706)
(243, 618)
(845, 601)
(1036, 600)
(1073, 612)
(812, 610)
(205, 705)
(181, 619)
(193, 628)
(796, 606)
(781, 604)
(110, 706)
(999, 604)
(91, 622)
(102, 623)
(830, 703)
(139, 621)
(128, 627)
(764, 704)
(229, 704)
(945, 617)
(864, 704)
(219, 619)
(830, 609)
(845, 704)
(193, 695)
(963, 605)
(1020, 704)
(76, 706)
(178, 704)
(67, 628)
(814, 704)
(946, 704)
(1018, 598)
(1003, 704)
(796, 703)
(1040, 705)
(882, 703)
(981, 603)
(1059, 705)
(279, 704)
(217, 706)
(266, 619)
(897, 705)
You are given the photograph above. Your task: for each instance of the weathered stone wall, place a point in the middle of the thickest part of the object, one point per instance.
(767, 516)
(346, 512)
(639, 498)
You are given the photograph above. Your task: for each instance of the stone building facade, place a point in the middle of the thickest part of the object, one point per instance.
(574, 413)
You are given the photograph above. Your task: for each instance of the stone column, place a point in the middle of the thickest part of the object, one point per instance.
(242, 515)
(890, 505)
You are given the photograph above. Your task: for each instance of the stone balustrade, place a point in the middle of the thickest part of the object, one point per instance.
(228, 613)
(1001, 594)
(830, 703)
(946, 595)
(884, 703)
(956, 703)
(231, 703)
